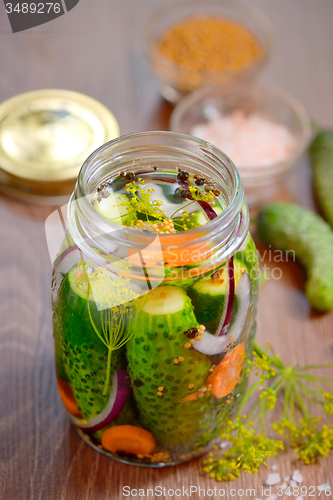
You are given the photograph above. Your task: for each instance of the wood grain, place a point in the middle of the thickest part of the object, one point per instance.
(97, 49)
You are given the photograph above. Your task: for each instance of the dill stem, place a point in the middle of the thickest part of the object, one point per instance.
(182, 208)
(317, 378)
(247, 396)
(286, 410)
(315, 399)
(292, 404)
(277, 384)
(308, 390)
(108, 372)
(311, 367)
(275, 361)
(262, 417)
(302, 406)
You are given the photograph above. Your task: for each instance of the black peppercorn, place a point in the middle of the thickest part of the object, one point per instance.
(191, 333)
(101, 187)
(217, 276)
(183, 176)
(209, 187)
(185, 193)
(200, 181)
(130, 176)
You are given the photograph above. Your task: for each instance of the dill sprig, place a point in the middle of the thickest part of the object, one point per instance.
(248, 451)
(115, 300)
(309, 439)
(301, 392)
(186, 221)
(141, 202)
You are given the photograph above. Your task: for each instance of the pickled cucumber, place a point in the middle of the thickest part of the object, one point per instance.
(321, 156)
(163, 371)
(85, 357)
(288, 226)
(248, 254)
(208, 296)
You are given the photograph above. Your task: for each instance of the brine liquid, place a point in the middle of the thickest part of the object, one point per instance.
(132, 375)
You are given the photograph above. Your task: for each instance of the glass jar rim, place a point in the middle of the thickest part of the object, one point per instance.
(233, 221)
(235, 202)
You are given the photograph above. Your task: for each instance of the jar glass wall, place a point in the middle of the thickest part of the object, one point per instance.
(154, 295)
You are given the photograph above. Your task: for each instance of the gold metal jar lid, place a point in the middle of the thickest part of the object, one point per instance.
(45, 136)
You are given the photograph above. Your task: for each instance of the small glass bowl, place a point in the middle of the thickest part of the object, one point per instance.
(260, 182)
(174, 80)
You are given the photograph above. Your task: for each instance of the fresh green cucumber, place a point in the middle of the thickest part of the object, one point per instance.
(290, 227)
(159, 340)
(115, 208)
(208, 296)
(321, 156)
(83, 354)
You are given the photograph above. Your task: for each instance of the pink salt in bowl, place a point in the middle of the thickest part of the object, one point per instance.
(264, 132)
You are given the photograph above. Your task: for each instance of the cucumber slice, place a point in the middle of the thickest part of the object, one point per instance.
(107, 289)
(208, 297)
(197, 218)
(159, 341)
(115, 208)
(212, 344)
(165, 300)
(177, 279)
(202, 219)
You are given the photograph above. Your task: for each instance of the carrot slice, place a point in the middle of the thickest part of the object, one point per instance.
(174, 253)
(129, 439)
(67, 398)
(227, 374)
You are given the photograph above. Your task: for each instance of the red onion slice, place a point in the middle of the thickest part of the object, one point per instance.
(210, 212)
(212, 344)
(229, 297)
(67, 259)
(120, 390)
(206, 207)
(225, 304)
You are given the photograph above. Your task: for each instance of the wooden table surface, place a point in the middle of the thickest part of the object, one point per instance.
(97, 49)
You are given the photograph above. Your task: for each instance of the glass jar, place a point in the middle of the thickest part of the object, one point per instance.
(153, 324)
